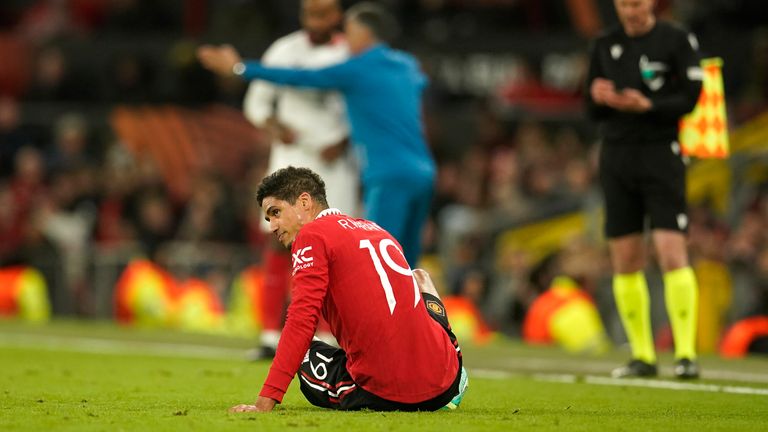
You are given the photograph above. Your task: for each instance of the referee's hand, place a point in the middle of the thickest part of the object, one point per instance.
(629, 100)
(601, 90)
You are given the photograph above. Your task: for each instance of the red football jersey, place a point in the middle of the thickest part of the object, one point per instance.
(355, 274)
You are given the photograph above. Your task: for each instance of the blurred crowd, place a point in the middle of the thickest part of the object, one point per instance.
(71, 191)
(69, 198)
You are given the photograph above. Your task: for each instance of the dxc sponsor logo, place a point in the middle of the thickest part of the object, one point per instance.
(300, 258)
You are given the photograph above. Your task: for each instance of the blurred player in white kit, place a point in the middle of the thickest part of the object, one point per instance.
(307, 128)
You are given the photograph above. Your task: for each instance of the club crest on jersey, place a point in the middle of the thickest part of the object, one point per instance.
(616, 51)
(693, 41)
(301, 260)
(436, 307)
(652, 73)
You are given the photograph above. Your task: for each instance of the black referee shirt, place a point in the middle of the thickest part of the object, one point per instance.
(664, 64)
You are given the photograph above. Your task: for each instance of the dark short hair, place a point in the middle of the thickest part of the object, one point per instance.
(288, 183)
(378, 20)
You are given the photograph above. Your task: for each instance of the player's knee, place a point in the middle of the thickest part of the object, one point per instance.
(314, 396)
(424, 281)
(673, 262)
(627, 254)
(672, 250)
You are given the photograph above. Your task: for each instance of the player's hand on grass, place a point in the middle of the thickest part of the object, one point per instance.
(263, 404)
(219, 59)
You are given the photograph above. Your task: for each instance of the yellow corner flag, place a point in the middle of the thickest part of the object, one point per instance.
(704, 131)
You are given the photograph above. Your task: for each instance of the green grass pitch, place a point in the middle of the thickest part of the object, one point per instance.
(70, 376)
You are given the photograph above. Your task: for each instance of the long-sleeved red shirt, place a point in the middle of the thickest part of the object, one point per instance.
(354, 273)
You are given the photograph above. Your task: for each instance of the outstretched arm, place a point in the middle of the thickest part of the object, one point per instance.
(225, 60)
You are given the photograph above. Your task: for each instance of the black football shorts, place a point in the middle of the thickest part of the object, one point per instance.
(325, 381)
(640, 181)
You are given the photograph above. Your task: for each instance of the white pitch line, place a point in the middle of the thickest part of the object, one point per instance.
(493, 374)
(165, 349)
(111, 346)
(599, 380)
(671, 385)
(597, 367)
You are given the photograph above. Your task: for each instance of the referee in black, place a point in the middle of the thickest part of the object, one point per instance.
(644, 75)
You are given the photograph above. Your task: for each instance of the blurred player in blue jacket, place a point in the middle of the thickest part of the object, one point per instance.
(382, 88)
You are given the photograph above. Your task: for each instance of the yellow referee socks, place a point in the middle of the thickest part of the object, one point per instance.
(633, 302)
(681, 293)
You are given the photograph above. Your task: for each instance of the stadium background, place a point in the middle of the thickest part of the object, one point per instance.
(114, 143)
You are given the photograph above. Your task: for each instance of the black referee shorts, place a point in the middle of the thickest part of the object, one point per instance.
(640, 181)
(325, 381)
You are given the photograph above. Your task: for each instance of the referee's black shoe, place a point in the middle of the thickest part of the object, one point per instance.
(635, 369)
(686, 369)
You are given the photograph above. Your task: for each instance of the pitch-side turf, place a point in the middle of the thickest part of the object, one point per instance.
(77, 376)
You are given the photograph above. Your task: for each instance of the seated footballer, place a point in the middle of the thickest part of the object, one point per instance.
(397, 348)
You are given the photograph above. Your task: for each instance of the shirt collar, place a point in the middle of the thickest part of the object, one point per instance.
(328, 211)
